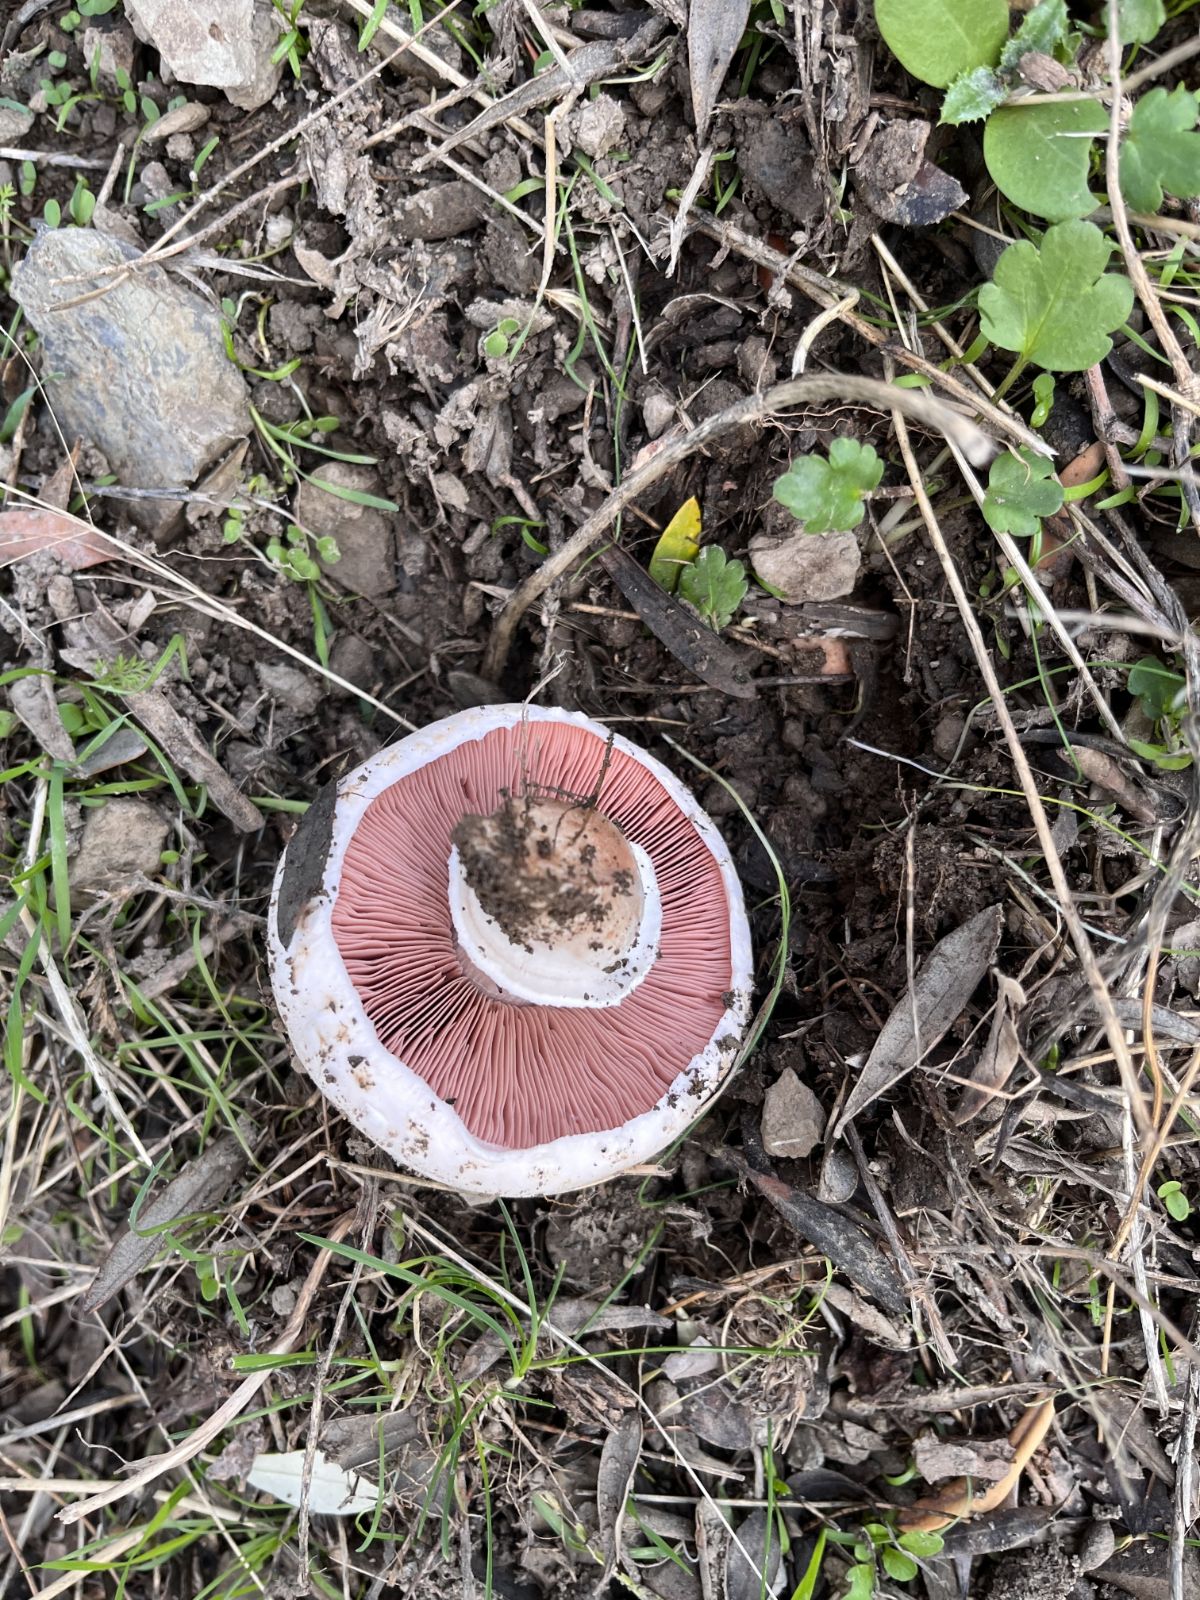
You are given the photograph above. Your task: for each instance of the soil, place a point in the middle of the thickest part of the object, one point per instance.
(386, 271)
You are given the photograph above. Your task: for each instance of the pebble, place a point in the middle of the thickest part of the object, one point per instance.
(793, 1121)
(226, 44)
(140, 370)
(807, 566)
(366, 537)
(298, 691)
(121, 839)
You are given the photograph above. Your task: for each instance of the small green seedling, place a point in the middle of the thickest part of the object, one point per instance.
(1160, 693)
(1022, 489)
(1173, 1198)
(498, 342)
(827, 493)
(1039, 156)
(879, 1544)
(715, 586)
(293, 557)
(1054, 304)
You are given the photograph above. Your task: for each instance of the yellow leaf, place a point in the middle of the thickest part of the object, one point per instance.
(678, 545)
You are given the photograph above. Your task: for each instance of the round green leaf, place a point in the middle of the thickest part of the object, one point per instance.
(935, 40)
(1038, 156)
(898, 1565)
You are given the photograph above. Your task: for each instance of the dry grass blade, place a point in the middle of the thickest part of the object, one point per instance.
(229, 1410)
(1079, 936)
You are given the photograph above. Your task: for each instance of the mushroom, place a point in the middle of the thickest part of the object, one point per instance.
(512, 949)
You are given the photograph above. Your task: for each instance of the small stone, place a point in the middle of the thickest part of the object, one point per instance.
(355, 660)
(440, 212)
(807, 566)
(283, 1299)
(298, 691)
(122, 839)
(139, 370)
(793, 1122)
(226, 44)
(598, 126)
(112, 51)
(365, 537)
(15, 123)
(658, 413)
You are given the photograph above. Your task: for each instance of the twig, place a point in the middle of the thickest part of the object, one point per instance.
(754, 408)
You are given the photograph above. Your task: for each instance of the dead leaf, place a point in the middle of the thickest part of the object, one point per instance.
(715, 29)
(696, 647)
(32, 698)
(963, 1497)
(31, 529)
(203, 1181)
(851, 1250)
(618, 1462)
(945, 983)
(1000, 1054)
(752, 1562)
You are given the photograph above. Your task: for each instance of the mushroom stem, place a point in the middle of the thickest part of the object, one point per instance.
(552, 904)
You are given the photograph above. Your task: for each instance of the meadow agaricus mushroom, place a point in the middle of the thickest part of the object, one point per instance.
(512, 950)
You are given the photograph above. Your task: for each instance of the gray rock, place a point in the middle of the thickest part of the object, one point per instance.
(440, 212)
(598, 126)
(793, 1121)
(15, 123)
(139, 370)
(112, 51)
(225, 44)
(807, 566)
(299, 691)
(121, 838)
(365, 537)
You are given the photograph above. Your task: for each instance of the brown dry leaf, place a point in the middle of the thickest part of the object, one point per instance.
(696, 647)
(946, 981)
(32, 529)
(851, 1250)
(715, 29)
(203, 1181)
(1000, 1054)
(618, 1462)
(962, 1498)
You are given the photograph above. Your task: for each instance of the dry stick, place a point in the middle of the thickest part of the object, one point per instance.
(1083, 949)
(1185, 1478)
(1185, 378)
(187, 1449)
(754, 408)
(828, 292)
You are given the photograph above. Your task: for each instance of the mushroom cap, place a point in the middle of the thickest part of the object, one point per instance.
(483, 1092)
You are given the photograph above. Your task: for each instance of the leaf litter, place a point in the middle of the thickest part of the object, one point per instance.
(771, 1353)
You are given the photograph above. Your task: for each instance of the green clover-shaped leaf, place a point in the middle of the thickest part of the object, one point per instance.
(715, 585)
(1055, 306)
(827, 495)
(1160, 150)
(1022, 489)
